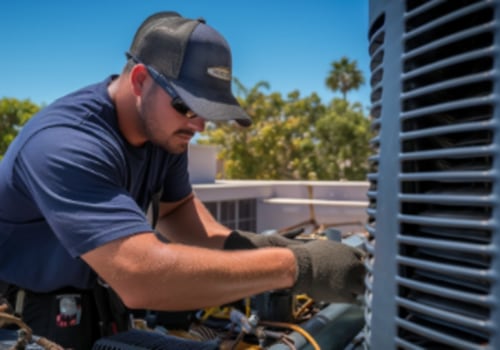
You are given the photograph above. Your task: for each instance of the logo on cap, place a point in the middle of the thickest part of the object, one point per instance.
(222, 73)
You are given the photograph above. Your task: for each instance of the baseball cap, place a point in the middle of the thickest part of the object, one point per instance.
(195, 59)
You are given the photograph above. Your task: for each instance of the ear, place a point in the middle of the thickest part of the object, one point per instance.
(138, 76)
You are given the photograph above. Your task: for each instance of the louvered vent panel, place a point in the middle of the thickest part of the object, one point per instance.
(433, 272)
(376, 51)
(445, 241)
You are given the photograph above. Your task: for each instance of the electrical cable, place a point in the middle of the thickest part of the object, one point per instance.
(25, 333)
(308, 302)
(295, 328)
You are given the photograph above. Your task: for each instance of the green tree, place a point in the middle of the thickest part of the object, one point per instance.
(344, 76)
(344, 141)
(14, 114)
(279, 144)
(293, 138)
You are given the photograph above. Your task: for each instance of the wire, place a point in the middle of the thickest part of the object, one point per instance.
(25, 335)
(295, 328)
(307, 304)
(248, 310)
(288, 343)
(7, 319)
(238, 339)
(208, 312)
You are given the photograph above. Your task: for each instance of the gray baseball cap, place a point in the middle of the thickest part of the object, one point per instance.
(195, 62)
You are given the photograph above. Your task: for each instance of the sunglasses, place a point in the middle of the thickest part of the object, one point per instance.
(177, 103)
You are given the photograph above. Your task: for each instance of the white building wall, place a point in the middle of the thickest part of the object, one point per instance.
(202, 163)
(339, 204)
(282, 204)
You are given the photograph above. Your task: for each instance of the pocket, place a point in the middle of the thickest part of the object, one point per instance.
(67, 319)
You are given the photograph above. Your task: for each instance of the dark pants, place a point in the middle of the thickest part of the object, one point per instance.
(67, 317)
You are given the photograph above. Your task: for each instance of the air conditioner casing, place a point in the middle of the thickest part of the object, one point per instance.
(433, 217)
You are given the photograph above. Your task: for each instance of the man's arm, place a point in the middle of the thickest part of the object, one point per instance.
(188, 221)
(149, 274)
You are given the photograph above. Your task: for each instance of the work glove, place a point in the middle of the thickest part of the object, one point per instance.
(329, 271)
(249, 240)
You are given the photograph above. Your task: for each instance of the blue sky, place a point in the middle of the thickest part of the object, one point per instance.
(49, 48)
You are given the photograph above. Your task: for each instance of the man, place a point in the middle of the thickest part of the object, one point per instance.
(77, 181)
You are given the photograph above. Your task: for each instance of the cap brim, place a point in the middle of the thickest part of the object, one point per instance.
(212, 105)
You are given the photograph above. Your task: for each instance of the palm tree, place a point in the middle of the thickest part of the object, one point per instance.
(344, 76)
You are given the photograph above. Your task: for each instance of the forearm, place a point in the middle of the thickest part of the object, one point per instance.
(177, 277)
(191, 223)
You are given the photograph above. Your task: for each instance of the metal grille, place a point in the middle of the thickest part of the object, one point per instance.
(445, 247)
(376, 51)
(236, 214)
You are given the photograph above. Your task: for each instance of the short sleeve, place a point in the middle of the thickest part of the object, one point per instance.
(176, 184)
(77, 183)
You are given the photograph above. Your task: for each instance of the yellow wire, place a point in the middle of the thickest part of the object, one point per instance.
(307, 302)
(303, 296)
(248, 309)
(223, 312)
(209, 312)
(303, 308)
(294, 327)
(214, 310)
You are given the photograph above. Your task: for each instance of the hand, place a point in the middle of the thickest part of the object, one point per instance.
(329, 271)
(249, 240)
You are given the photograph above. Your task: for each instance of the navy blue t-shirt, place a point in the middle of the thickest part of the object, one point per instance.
(70, 183)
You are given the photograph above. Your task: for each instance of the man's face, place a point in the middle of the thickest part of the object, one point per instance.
(163, 125)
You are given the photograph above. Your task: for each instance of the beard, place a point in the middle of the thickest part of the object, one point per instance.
(153, 126)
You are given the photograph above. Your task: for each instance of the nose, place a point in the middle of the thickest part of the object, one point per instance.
(197, 123)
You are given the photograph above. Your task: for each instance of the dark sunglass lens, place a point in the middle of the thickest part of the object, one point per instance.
(180, 106)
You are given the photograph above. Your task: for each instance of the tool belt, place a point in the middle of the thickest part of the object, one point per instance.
(73, 318)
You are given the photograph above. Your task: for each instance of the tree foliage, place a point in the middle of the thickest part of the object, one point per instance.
(344, 76)
(344, 134)
(292, 137)
(14, 114)
(273, 147)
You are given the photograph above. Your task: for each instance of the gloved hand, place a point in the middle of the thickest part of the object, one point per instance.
(249, 240)
(329, 271)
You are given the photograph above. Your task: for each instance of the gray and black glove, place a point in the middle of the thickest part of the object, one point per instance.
(329, 271)
(249, 240)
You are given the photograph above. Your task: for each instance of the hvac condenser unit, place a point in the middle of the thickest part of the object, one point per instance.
(433, 280)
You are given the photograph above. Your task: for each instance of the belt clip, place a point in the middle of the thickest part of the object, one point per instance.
(20, 295)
